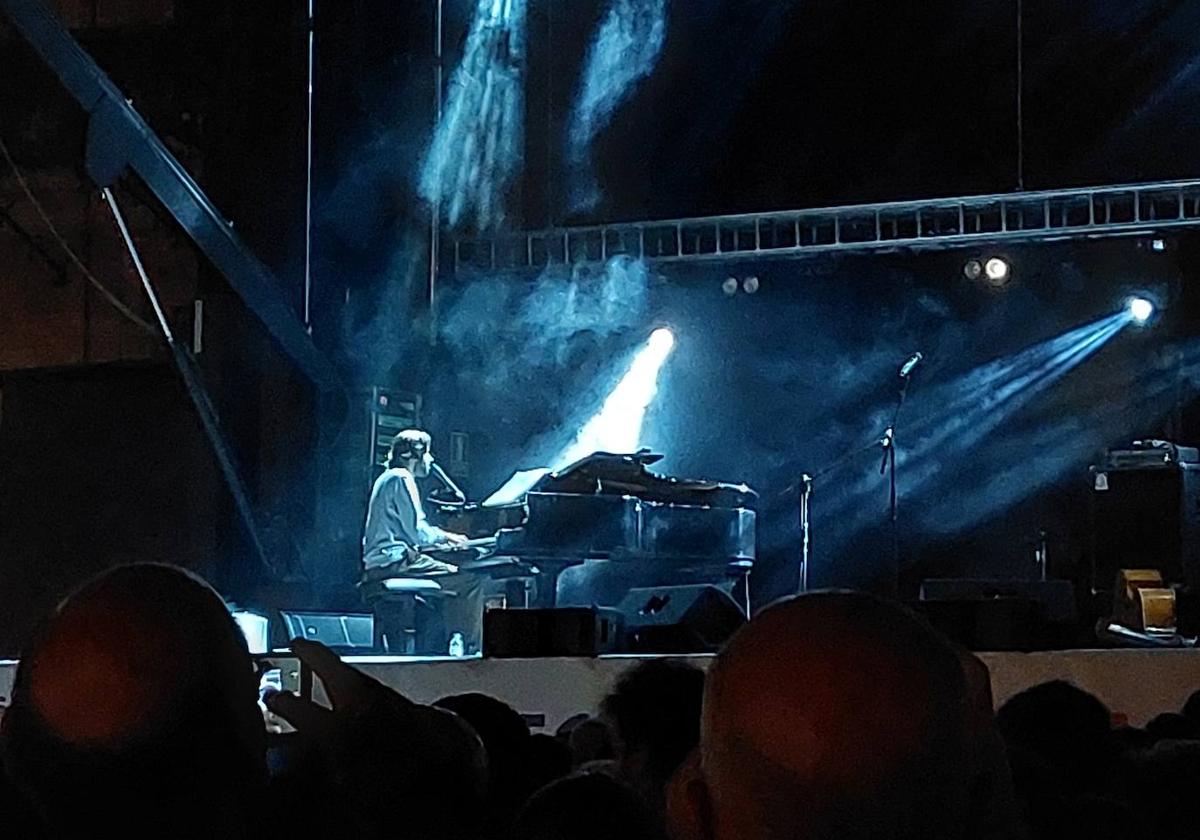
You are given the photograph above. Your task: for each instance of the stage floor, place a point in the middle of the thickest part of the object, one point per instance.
(1135, 684)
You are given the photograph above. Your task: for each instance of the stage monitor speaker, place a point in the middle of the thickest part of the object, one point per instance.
(1056, 598)
(678, 619)
(1000, 614)
(563, 631)
(997, 624)
(340, 631)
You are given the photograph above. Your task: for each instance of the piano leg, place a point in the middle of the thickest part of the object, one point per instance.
(545, 584)
(517, 592)
(741, 591)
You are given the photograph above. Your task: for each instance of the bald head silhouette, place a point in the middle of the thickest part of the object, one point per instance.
(831, 715)
(136, 705)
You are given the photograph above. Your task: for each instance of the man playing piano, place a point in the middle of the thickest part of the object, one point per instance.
(397, 532)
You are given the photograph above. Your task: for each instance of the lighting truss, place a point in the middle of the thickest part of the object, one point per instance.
(1051, 215)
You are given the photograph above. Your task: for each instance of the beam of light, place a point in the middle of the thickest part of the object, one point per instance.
(476, 149)
(617, 427)
(971, 410)
(973, 406)
(1054, 448)
(625, 50)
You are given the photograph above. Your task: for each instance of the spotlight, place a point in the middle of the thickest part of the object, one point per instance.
(730, 286)
(1158, 245)
(750, 286)
(996, 270)
(1140, 309)
(973, 269)
(617, 427)
(662, 340)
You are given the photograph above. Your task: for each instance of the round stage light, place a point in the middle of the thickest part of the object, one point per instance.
(973, 269)
(730, 286)
(750, 286)
(1140, 309)
(662, 340)
(996, 270)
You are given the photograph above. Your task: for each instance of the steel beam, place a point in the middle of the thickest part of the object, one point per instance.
(118, 137)
(979, 220)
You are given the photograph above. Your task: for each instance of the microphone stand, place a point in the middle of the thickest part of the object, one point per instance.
(806, 488)
(806, 483)
(888, 464)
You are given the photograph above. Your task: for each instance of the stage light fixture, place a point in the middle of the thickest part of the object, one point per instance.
(662, 340)
(1140, 309)
(1159, 245)
(973, 269)
(750, 285)
(730, 286)
(997, 271)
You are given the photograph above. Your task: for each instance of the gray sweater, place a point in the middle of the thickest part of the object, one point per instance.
(395, 520)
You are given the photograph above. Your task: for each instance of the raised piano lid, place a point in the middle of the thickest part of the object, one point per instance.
(513, 490)
(609, 473)
(626, 474)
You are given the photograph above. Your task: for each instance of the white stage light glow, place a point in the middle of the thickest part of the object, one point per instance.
(662, 339)
(1140, 309)
(996, 270)
(617, 426)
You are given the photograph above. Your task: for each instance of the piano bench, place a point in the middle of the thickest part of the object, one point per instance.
(410, 586)
(403, 607)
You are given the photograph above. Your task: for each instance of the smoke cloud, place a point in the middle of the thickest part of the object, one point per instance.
(493, 322)
(624, 51)
(542, 356)
(477, 148)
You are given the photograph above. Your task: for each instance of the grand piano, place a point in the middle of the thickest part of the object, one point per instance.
(618, 520)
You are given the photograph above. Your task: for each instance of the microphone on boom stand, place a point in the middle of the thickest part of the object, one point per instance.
(437, 472)
(906, 369)
(888, 441)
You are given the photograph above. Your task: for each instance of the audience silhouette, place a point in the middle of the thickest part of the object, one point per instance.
(135, 711)
(830, 715)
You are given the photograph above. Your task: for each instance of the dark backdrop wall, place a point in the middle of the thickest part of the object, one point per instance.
(766, 104)
(100, 466)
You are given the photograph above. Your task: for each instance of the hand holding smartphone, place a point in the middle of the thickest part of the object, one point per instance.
(278, 674)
